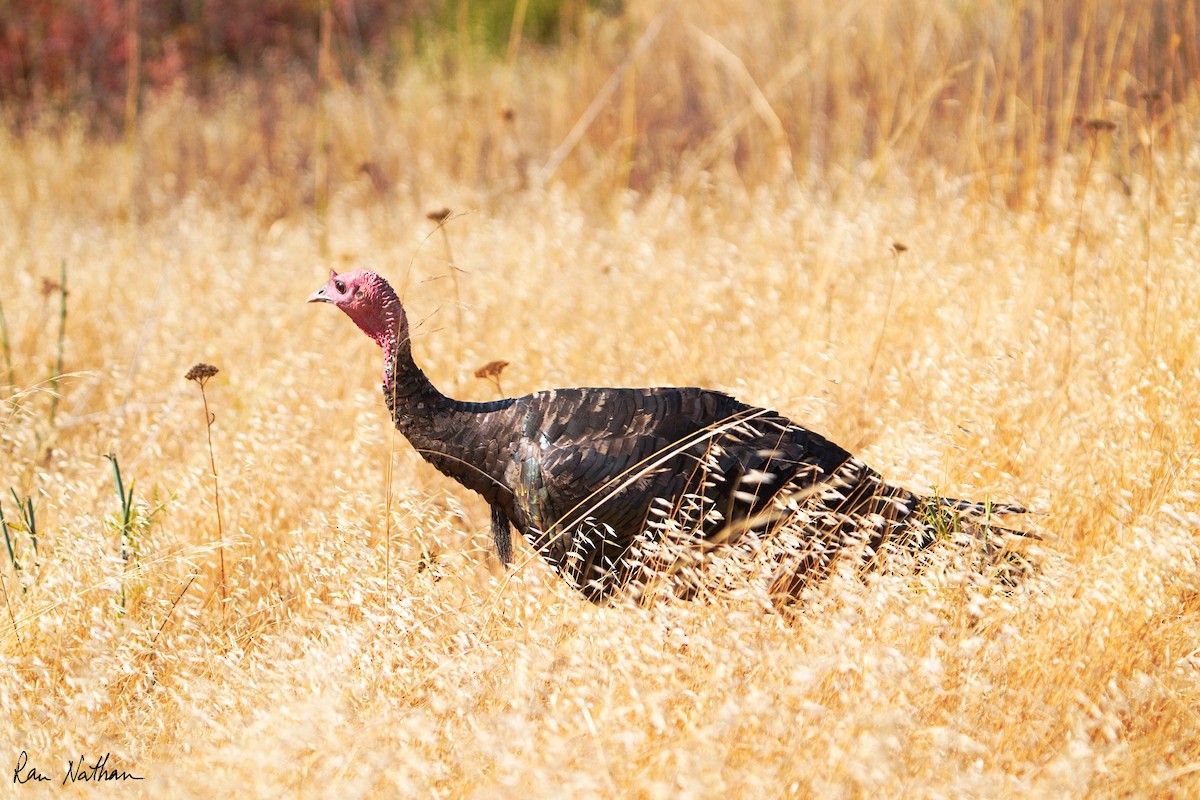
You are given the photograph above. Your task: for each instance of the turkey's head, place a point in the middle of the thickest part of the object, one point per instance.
(369, 301)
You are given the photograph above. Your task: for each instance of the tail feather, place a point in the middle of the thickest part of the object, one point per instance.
(977, 509)
(980, 514)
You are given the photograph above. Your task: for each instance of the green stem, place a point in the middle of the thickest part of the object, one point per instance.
(12, 556)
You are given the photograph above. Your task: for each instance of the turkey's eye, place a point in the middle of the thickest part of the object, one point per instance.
(340, 286)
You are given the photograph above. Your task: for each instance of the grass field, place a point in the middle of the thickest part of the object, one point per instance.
(1037, 341)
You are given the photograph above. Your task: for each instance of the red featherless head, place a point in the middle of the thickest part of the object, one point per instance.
(369, 301)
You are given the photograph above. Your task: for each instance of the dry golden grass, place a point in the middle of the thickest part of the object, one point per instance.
(338, 667)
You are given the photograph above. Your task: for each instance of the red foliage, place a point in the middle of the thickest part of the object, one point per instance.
(61, 54)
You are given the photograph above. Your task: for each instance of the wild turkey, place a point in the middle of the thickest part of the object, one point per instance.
(605, 483)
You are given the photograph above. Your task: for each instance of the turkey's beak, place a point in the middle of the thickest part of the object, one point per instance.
(319, 296)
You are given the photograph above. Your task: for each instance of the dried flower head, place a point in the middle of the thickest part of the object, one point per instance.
(1098, 125)
(1152, 96)
(50, 286)
(899, 247)
(200, 373)
(440, 215)
(491, 370)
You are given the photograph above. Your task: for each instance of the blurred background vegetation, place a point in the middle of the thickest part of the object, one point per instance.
(76, 54)
(608, 94)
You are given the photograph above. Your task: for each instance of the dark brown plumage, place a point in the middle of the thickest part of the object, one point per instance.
(601, 480)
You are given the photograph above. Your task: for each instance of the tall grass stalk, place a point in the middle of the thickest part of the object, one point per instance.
(62, 333)
(12, 553)
(897, 250)
(12, 617)
(171, 610)
(321, 172)
(1151, 98)
(201, 373)
(27, 512)
(12, 557)
(462, 35)
(28, 521)
(514, 33)
(6, 350)
(125, 520)
(387, 501)
(441, 217)
(1095, 128)
(133, 43)
(387, 513)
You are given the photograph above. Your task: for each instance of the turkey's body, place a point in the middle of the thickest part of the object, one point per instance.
(587, 475)
(621, 487)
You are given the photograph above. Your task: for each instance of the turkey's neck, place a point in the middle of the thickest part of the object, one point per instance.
(444, 431)
(405, 385)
